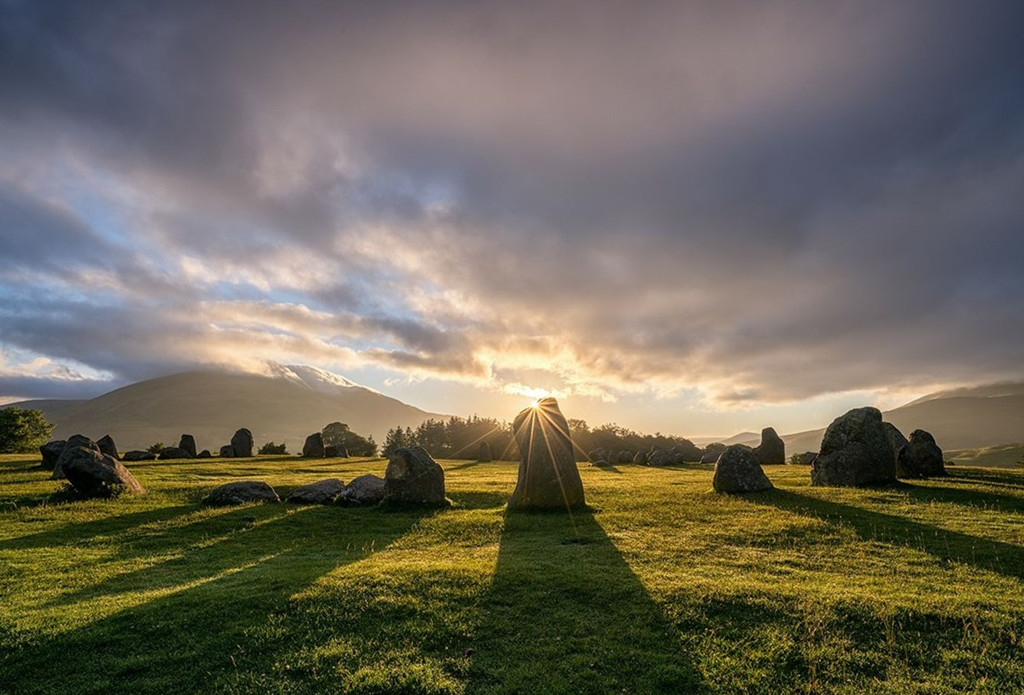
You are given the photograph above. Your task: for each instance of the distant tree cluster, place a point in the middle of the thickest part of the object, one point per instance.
(23, 431)
(272, 448)
(457, 437)
(612, 437)
(340, 436)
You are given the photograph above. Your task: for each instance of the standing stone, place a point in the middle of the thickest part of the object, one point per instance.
(108, 447)
(625, 457)
(242, 443)
(227, 452)
(641, 458)
(855, 452)
(74, 440)
(366, 490)
(805, 459)
(314, 446)
(660, 457)
(412, 477)
(204, 454)
(51, 452)
(772, 450)
(94, 474)
(921, 457)
(483, 454)
(138, 455)
(188, 443)
(738, 470)
(548, 477)
(172, 452)
(320, 492)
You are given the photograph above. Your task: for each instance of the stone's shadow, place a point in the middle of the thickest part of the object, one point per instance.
(221, 597)
(463, 466)
(921, 491)
(74, 533)
(952, 546)
(478, 500)
(974, 476)
(608, 468)
(566, 614)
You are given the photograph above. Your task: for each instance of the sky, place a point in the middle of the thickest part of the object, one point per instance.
(689, 217)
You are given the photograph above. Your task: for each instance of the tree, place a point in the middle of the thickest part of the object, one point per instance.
(155, 448)
(336, 434)
(23, 431)
(272, 448)
(397, 438)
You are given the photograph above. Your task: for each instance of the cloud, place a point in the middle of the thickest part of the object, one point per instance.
(759, 204)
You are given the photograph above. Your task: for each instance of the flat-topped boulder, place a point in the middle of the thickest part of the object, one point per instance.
(413, 477)
(137, 455)
(314, 446)
(51, 452)
(320, 492)
(772, 450)
(242, 443)
(73, 441)
(364, 491)
(107, 446)
(241, 492)
(738, 470)
(920, 457)
(204, 454)
(173, 452)
(95, 474)
(548, 476)
(855, 452)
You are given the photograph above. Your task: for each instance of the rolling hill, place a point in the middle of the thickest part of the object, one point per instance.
(287, 406)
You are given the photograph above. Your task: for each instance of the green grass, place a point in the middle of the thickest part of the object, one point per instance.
(1005, 456)
(663, 587)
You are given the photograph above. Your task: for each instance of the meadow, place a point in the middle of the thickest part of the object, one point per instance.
(662, 587)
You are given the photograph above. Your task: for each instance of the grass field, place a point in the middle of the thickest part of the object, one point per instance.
(663, 587)
(1005, 456)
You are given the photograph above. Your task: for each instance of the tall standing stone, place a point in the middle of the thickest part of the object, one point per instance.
(242, 443)
(548, 477)
(188, 443)
(772, 450)
(108, 447)
(314, 446)
(484, 453)
(855, 452)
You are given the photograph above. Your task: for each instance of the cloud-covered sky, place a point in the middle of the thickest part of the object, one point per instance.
(696, 217)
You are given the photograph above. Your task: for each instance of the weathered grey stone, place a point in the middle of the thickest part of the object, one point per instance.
(51, 452)
(920, 457)
(738, 470)
(772, 450)
(855, 452)
(548, 477)
(625, 457)
(241, 492)
(173, 452)
(74, 440)
(242, 443)
(94, 474)
(896, 437)
(320, 492)
(412, 477)
(188, 443)
(204, 454)
(227, 452)
(805, 459)
(641, 458)
(660, 457)
(483, 454)
(366, 490)
(107, 446)
(136, 455)
(314, 446)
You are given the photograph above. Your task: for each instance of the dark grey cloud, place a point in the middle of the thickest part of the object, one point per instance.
(770, 201)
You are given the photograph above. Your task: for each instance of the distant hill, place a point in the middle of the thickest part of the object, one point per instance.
(285, 407)
(966, 418)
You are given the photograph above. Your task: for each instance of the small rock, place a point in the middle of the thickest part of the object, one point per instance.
(241, 492)
(320, 492)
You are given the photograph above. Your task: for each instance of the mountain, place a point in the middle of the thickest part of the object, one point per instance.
(964, 418)
(286, 406)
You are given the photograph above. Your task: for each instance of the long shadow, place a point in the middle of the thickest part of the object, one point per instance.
(921, 491)
(463, 466)
(608, 468)
(75, 533)
(952, 546)
(973, 476)
(219, 615)
(565, 614)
